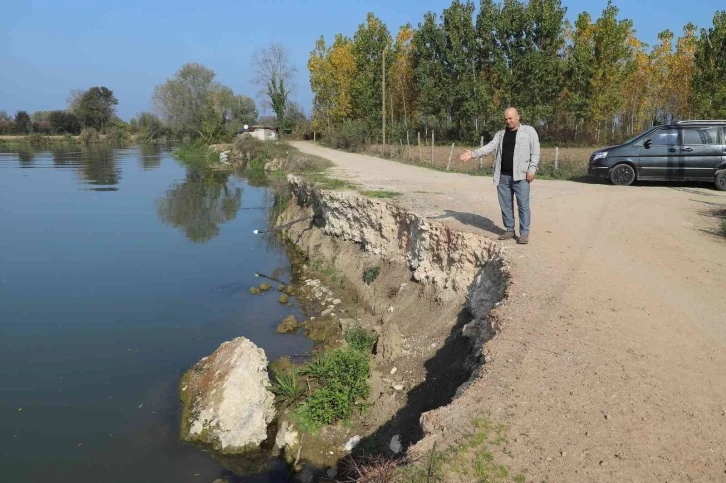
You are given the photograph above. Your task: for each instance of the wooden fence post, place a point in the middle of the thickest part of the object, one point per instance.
(408, 145)
(420, 157)
(451, 154)
(557, 157)
(401, 144)
(432, 147)
(481, 159)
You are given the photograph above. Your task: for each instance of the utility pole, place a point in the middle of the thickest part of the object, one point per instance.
(383, 91)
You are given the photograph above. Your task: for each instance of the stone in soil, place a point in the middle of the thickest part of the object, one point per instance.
(390, 343)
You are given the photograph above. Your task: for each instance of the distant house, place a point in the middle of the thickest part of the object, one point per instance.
(263, 133)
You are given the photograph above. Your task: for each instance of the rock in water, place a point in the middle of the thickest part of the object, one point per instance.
(254, 290)
(226, 401)
(264, 286)
(288, 324)
(284, 298)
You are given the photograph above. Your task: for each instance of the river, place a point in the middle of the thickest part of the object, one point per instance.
(119, 269)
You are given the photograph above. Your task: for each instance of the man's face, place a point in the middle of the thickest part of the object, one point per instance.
(511, 118)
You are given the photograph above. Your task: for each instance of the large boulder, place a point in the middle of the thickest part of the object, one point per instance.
(226, 401)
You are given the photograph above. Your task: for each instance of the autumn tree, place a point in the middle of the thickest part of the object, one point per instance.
(401, 75)
(708, 83)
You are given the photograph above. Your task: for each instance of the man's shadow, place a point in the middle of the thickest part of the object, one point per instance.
(471, 219)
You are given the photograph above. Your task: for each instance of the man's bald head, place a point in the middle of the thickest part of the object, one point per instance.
(511, 118)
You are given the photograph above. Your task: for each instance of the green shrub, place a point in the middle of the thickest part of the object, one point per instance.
(370, 274)
(341, 375)
(117, 135)
(37, 139)
(360, 339)
(89, 135)
(286, 387)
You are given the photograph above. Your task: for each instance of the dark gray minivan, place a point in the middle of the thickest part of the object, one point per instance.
(684, 151)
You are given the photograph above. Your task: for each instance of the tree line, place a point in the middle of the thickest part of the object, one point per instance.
(191, 104)
(588, 81)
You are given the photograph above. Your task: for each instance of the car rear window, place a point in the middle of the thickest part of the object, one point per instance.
(700, 135)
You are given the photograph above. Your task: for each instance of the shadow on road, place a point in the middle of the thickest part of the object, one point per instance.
(471, 219)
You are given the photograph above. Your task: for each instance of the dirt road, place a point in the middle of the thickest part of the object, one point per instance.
(612, 362)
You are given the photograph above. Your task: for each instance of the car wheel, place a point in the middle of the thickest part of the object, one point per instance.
(622, 175)
(720, 180)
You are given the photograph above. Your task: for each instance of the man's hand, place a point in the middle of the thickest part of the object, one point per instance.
(466, 156)
(530, 177)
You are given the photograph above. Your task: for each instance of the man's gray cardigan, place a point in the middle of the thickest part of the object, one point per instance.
(526, 153)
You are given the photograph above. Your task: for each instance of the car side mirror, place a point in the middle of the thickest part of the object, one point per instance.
(647, 144)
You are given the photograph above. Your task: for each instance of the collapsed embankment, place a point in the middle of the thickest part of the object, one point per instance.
(430, 304)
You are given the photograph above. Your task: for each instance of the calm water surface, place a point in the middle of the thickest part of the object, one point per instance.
(119, 269)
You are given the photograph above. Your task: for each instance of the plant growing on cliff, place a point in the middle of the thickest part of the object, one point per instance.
(286, 387)
(341, 378)
(370, 274)
(360, 339)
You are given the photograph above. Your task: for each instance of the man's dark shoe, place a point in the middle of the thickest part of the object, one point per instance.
(507, 235)
(523, 240)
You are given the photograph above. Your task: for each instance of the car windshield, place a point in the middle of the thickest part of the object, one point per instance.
(637, 136)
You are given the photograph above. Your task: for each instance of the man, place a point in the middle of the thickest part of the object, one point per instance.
(515, 163)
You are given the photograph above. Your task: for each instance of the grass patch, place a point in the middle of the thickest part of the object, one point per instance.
(340, 379)
(360, 339)
(196, 154)
(322, 180)
(723, 227)
(475, 459)
(370, 274)
(286, 387)
(381, 194)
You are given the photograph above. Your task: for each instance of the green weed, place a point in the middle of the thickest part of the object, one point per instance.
(381, 194)
(341, 379)
(370, 274)
(360, 339)
(286, 387)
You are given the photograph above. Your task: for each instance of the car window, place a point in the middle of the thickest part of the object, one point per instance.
(700, 135)
(665, 137)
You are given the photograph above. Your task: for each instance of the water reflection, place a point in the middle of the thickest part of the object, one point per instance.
(150, 156)
(65, 156)
(26, 158)
(200, 204)
(100, 167)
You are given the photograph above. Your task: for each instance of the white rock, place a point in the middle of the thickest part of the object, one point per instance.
(326, 312)
(398, 387)
(352, 443)
(230, 405)
(390, 309)
(395, 444)
(393, 371)
(336, 302)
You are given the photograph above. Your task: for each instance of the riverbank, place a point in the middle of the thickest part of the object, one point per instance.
(607, 364)
(428, 304)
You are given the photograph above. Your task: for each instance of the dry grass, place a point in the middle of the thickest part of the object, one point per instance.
(572, 162)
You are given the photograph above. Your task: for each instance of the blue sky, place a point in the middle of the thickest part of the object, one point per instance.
(48, 48)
